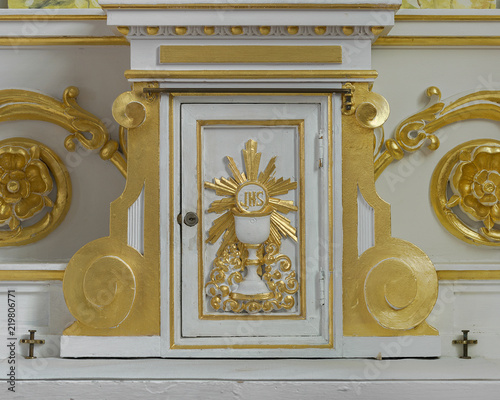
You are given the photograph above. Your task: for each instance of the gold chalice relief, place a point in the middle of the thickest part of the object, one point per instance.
(252, 227)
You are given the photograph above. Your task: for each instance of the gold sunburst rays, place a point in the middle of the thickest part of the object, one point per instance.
(281, 226)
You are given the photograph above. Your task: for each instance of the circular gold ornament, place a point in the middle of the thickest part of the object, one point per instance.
(128, 111)
(401, 285)
(465, 192)
(100, 284)
(374, 112)
(251, 197)
(28, 172)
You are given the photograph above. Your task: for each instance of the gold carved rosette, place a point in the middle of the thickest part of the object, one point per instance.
(30, 173)
(391, 287)
(465, 192)
(111, 288)
(249, 274)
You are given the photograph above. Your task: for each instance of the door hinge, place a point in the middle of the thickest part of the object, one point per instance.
(322, 291)
(320, 149)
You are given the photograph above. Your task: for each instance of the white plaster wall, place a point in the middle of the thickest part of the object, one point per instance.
(98, 73)
(404, 75)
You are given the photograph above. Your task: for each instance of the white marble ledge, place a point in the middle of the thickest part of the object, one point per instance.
(51, 13)
(26, 24)
(453, 369)
(448, 23)
(125, 3)
(449, 13)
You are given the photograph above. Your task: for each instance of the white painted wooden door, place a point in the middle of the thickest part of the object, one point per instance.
(291, 133)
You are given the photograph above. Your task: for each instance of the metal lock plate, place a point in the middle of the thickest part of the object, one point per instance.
(191, 219)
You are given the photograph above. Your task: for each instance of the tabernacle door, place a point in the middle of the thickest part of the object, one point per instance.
(255, 223)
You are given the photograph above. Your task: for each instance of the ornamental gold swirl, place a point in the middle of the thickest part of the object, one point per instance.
(401, 286)
(227, 274)
(420, 129)
(84, 127)
(100, 284)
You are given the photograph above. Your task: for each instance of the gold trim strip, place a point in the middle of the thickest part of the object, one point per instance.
(64, 41)
(252, 6)
(255, 297)
(471, 275)
(256, 74)
(442, 18)
(31, 275)
(191, 54)
(438, 41)
(171, 234)
(46, 17)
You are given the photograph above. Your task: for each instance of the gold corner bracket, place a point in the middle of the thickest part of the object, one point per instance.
(400, 283)
(111, 287)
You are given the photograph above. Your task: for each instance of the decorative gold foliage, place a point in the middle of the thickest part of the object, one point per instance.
(419, 130)
(84, 127)
(227, 274)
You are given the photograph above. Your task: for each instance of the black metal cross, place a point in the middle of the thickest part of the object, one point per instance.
(465, 342)
(31, 341)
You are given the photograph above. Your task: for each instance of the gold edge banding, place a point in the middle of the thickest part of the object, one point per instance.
(199, 171)
(252, 74)
(302, 216)
(47, 17)
(473, 275)
(175, 346)
(249, 54)
(251, 346)
(253, 6)
(443, 18)
(64, 41)
(330, 214)
(171, 223)
(31, 275)
(438, 41)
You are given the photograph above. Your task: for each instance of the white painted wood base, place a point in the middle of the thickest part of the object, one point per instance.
(392, 347)
(446, 378)
(446, 368)
(221, 390)
(110, 346)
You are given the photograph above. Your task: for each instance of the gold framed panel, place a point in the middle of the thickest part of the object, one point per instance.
(299, 124)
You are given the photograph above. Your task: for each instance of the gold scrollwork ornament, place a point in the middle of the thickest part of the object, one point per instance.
(28, 172)
(252, 227)
(465, 192)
